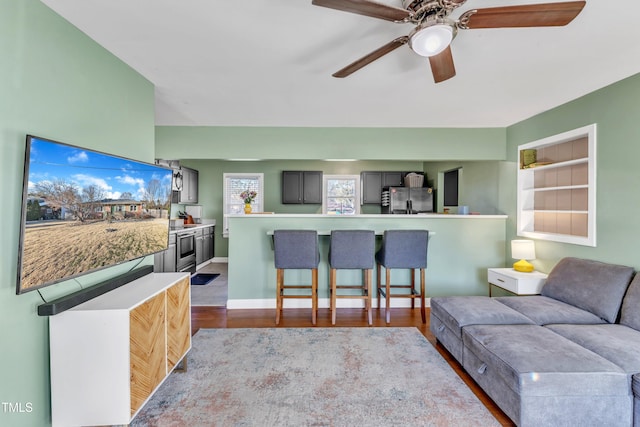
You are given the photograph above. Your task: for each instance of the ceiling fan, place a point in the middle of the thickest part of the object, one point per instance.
(434, 29)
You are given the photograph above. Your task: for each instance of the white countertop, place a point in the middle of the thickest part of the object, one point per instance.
(413, 216)
(189, 227)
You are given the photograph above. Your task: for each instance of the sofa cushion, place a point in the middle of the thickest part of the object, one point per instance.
(594, 286)
(635, 385)
(630, 314)
(450, 314)
(538, 377)
(459, 311)
(544, 310)
(616, 343)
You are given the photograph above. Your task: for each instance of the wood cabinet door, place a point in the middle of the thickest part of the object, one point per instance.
(178, 322)
(147, 341)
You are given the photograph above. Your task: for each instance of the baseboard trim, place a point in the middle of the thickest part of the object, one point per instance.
(322, 303)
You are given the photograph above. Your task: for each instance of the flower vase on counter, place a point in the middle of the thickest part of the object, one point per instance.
(248, 196)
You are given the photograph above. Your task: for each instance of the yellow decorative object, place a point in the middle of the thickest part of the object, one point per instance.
(523, 266)
(247, 208)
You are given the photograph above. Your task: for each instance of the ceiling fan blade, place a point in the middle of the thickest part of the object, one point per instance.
(370, 57)
(442, 65)
(529, 15)
(366, 8)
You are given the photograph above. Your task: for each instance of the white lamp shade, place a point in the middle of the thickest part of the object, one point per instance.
(523, 249)
(431, 40)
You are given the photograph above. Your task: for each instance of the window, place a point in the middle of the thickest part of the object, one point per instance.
(236, 183)
(341, 194)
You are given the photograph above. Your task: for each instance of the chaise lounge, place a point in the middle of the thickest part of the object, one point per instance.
(570, 356)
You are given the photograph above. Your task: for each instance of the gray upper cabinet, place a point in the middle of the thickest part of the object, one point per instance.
(189, 192)
(372, 183)
(301, 187)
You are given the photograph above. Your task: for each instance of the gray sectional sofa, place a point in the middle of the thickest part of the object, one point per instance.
(567, 357)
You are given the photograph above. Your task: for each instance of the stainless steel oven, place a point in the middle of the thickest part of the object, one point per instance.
(186, 252)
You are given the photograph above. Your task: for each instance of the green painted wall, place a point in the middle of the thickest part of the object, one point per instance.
(615, 109)
(56, 83)
(478, 184)
(460, 251)
(330, 143)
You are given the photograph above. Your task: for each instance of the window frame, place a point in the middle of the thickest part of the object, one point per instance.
(356, 186)
(258, 203)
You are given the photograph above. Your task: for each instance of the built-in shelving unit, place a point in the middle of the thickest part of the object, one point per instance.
(557, 188)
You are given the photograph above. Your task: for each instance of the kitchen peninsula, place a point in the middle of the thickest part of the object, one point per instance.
(461, 249)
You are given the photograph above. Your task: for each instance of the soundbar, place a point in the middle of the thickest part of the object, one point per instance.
(66, 302)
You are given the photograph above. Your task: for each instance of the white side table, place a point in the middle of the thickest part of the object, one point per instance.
(516, 282)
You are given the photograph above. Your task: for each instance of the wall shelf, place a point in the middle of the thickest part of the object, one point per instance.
(556, 200)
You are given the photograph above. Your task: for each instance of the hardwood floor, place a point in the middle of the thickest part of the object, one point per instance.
(220, 317)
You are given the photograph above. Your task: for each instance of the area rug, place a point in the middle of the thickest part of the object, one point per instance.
(203, 278)
(314, 377)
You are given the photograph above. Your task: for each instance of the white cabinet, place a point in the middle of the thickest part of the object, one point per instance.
(557, 192)
(109, 354)
(516, 282)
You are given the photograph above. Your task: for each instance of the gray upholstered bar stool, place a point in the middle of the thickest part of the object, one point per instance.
(296, 249)
(353, 250)
(402, 249)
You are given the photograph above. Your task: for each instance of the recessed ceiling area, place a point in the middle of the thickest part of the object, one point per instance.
(269, 62)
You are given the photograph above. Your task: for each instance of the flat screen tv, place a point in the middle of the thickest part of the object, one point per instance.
(84, 210)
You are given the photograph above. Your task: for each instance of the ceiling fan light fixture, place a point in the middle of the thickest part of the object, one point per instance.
(430, 39)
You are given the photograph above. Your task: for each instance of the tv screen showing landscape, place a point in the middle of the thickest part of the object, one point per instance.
(84, 210)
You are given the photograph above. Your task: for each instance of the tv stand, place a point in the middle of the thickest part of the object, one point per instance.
(111, 353)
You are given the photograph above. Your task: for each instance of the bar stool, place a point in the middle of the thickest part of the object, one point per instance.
(402, 249)
(296, 249)
(353, 250)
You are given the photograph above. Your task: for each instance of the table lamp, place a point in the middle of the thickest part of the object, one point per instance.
(523, 250)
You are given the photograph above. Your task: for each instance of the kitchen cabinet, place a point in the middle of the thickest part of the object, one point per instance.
(108, 355)
(302, 187)
(204, 244)
(188, 194)
(556, 196)
(209, 242)
(165, 261)
(372, 183)
(199, 246)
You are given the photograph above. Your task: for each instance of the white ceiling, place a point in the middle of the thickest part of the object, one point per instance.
(269, 62)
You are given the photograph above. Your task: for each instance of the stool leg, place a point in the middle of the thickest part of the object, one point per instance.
(314, 295)
(279, 281)
(367, 301)
(413, 286)
(423, 312)
(388, 296)
(379, 276)
(333, 286)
